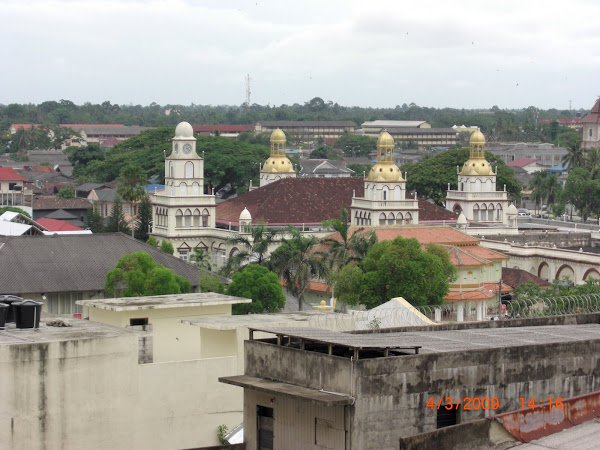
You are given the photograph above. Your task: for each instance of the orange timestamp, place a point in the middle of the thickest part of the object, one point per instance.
(468, 403)
(541, 402)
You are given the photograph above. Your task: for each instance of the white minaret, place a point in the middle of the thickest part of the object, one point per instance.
(476, 196)
(182, 210)
(384, 201)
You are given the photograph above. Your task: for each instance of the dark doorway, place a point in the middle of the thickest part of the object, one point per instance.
(445, 417)
(264, 424)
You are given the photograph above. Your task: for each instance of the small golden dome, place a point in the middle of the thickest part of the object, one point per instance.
(385, 139)
(477, 138)
(477, 167)
(385, 172)
(278, 137)
(323, 303)
(278, 164)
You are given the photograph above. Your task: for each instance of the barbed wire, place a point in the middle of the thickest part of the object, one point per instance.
(552, 306)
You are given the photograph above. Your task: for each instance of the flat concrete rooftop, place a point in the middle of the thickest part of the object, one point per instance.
(79, 329)
(163, 301)
(445, 340)
(253, 320)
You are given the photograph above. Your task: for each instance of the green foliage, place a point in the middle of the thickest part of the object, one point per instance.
(430, 177)
(167, 247)
(81, 157)
(353, 145)
(93, 221)
(66, 192)
(131, 182)
(583, 192)
(152, 241)
(253, 247)
(137, 275)
(222, 431)
(347, 284)
(143, 221)
(326, 152)
(3, 209)
(360, 170)
(259, 284)
(201, 258)
(210, 283)
(545, 189)
(116, 221)
(401, 268)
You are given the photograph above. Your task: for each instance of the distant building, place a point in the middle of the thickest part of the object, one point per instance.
(547, 155)
(462, 128)
(324, 168)
(576, 123)
(412, 133)
(11, 187)
(310, 130)
(230, 131)
(530, 165)
(591, 127)
(104, 199)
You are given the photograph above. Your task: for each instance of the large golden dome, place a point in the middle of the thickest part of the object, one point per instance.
(278, 137)
(385, 172)
(278, 164)
(477, 166)
(477, 138)
(385, 139)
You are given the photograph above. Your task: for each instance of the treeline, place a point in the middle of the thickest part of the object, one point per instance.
(497, 124)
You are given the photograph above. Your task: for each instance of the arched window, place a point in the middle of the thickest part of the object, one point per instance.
(462, 186)
(183, 189)
(368, 192)
(369, 219)
(196, 217)
(189, 169)
(373, 195)
(170, 169)
(195, 188)
(391, 219)
(399, 218)
(382, 219)
(477, 185)
(491, 213)
(488, 185)
(499, 213)
(384, 193)
(205, 217)
(179, 219)
(483, 213)
(408, 218)
(476, 212)
(397, 193)
(188, 218)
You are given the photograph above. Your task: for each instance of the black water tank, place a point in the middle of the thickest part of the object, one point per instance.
(3, 312)
(10, 299)
(27, 313)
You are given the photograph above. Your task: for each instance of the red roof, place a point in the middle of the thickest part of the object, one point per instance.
(43, 169)
(594, 115)
(27, 126)
(8, 174)
(302, 201)
(223, 128)
(57, 225)
(521, 162)
(514, 277)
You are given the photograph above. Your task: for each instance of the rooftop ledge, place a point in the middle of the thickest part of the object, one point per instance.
(163, 301)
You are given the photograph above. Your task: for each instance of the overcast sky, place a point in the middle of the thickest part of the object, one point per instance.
(364, 53)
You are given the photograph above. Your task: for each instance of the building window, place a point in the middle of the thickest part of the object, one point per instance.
(126, 209)
(183, 254)
(189, 169)
(265, 426)
(445, 417)
(138, 322)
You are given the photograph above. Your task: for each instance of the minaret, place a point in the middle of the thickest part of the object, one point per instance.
(384, 201)
(183, 210)
(476, 196)
(278, 165)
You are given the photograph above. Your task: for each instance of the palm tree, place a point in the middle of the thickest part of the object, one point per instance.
(201, 258)
(254, 247)
(537, 186)
(552, 189)
(296, 262)
(592, 162)
(130, 186)
(575, 155)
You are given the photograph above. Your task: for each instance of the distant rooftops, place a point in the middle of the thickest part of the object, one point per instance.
(522, 162)
(395, 124)
(9, 174)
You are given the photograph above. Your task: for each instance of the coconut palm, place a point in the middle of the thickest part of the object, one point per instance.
(130, 186)
(574, 156)
(201, 258)
(254, 247)
(537, 186)
(592, 162)
(296, 262)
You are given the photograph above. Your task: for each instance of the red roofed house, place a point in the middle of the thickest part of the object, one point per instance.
(530, 165)
(57, 225)
(11, 187)
(575, 122)
(591, 127)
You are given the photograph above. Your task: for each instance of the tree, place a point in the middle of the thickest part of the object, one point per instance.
(253, 247)
(143, 221)
(152, 241)
(167, 247)
(201, 258)
(360, 170)
(116, 221)
(66, 192)
(210, 283)
(59, 135)
(592, 162)
(3, 209)
(259, 284)
(296, 263)
(353, 145)
(401, 268)
(130, 186)
(81, 157)
(93, 221)
(582, 192)
(574, 157)
(138, 275)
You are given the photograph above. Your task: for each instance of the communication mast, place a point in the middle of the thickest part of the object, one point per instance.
(248, 92)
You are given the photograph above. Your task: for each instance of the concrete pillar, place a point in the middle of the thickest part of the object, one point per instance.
(438, 314)
(479, 309)
(460, 312)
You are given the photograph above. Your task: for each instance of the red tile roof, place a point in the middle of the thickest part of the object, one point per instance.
(460, 257)
(486, 253)
(8, 174)
(425, 235)
(27, 126)
(514, 277)
(594, 115)
(521, 162)
(477, 294)
(308, 201)
(57, 225)
(43, 169)
(223, 128)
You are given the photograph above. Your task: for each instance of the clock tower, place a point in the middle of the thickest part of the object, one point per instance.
(183, 211)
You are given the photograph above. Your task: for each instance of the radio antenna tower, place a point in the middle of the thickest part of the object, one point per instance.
(248, 92)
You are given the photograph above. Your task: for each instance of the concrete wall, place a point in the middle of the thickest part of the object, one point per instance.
(541, 239)
(93, 394)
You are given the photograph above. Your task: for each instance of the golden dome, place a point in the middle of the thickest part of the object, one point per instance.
(477, 166)
(278, 137)
(477, 138)
(385, 172)
(385, 139)
(278, 164)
